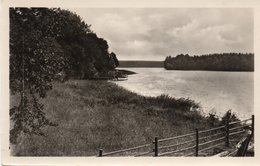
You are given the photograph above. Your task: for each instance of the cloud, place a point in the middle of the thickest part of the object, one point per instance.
(157, 33)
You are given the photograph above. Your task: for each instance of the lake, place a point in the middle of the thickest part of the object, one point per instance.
(215, 91)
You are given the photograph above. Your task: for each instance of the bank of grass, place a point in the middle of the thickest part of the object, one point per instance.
(93, 115)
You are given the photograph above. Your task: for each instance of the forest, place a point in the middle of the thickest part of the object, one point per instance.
(45, 44)
(211, 62)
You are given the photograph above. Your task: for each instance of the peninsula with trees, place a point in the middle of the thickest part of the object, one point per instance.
(211, 62)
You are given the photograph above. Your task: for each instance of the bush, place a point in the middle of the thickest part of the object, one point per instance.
(167, 101)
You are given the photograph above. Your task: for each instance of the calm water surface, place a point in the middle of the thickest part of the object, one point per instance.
(215, 91)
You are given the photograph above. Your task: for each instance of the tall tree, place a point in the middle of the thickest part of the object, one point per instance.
(114, 59)
(35, 58)
(43, 43)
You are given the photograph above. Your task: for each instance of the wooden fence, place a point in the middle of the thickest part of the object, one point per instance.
(198, 143)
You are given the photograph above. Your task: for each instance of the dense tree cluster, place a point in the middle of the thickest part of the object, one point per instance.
(212, 62)
(44, 43)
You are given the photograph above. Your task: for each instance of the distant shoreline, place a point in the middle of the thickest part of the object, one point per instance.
(123, 69)
(141, 63)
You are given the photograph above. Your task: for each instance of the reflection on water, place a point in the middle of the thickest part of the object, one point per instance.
(215, 91)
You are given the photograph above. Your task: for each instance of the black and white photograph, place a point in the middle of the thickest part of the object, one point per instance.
(136, 82)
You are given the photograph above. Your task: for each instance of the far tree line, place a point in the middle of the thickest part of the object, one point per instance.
(211, 62)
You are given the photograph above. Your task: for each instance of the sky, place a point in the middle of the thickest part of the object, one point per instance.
(154, 33)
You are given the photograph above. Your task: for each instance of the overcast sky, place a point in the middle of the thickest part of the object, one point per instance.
(153, 34)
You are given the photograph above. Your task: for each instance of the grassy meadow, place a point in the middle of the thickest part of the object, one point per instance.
(93, 115)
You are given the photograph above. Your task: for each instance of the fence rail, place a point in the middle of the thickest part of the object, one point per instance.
(198, 141)
(183, 143)
(123, 150)
(176, 137)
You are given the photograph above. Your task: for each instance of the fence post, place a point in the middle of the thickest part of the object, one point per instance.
(155, 146)
(197, 143)
(227, 131)
(253, 125)
(100, 153)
